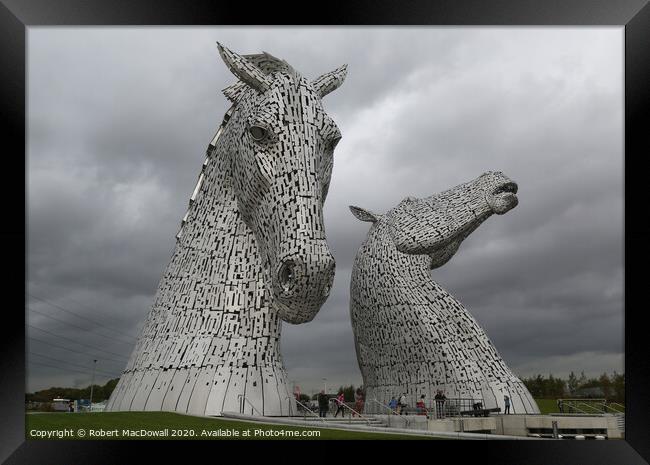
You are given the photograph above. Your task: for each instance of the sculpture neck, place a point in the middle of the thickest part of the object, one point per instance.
(379, 253)
(214, 233)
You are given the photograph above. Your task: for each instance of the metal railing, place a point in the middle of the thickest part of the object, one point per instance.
(615, 407)
(593, 408)
(452, 407)
(589, 406)
(241, 398)
(393, 412)
(306, 409)
(352, 410)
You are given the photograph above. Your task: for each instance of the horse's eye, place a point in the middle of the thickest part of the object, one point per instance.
(257, 133)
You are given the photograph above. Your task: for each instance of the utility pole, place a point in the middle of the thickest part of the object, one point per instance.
(325, 381)
(92, 385)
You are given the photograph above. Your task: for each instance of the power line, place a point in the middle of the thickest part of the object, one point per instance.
(79, 327)
(58, 368)
(73, 351)
(82, 316)
(76, 342)
(70, 363)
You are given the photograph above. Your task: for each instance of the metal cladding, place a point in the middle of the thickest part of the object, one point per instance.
(411, 336)
(251, 252)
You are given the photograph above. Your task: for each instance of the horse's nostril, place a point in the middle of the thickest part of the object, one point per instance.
(286, 274)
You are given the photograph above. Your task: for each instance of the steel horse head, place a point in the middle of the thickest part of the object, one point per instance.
(281, 143)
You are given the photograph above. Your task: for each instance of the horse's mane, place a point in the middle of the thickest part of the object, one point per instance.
(268, 64)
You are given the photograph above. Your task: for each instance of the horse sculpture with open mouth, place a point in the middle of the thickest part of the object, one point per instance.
(411, 336)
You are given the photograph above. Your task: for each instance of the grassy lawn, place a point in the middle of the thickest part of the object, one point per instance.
(185, 427)
(547, 406)
(550, 406)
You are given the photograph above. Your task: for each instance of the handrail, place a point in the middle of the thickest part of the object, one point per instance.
(350, 408)
(575, 407)
(304, 407)
(590, 406)
(249, 403)
(571, 405)
(406, 420)
(615, 409)
(581, 399)
(599, 405)
(611, 407)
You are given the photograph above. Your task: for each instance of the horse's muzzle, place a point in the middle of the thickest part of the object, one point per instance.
(302, 285)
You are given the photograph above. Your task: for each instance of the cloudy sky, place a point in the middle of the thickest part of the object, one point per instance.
(119, 120)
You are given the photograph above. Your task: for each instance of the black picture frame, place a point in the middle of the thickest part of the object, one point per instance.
(17, 15)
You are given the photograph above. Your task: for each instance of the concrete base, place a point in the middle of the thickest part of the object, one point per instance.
(361, 427)
(418, 422)
(528, 425)
(467, 425)
(567, 425)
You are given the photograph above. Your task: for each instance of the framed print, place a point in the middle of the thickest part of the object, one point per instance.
(423, 219)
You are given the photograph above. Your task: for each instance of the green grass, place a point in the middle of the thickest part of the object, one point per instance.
(188, 427)
(547, 406)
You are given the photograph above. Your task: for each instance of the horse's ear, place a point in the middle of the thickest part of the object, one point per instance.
(331, 81)
(246, 71)
(364, 215)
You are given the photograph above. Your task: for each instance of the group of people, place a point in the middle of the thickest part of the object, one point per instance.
(324, 404)
(400, 406)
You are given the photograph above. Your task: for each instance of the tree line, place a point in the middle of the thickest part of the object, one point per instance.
(610, 387)
(100, 393)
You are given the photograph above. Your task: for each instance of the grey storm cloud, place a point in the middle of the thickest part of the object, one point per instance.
(119, 120)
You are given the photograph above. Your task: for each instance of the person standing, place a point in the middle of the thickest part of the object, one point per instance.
(506, 401)
(358, 401)
(421, 407)
(393, 404)
(440, 404)
(323, 404)
(340, 400)
(402, 405)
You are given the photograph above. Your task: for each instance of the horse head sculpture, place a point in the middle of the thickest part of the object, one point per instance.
(251, 252)
(281, 143)
(437, 225)
(411, 335)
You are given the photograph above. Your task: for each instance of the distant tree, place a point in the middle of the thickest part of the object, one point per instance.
(348, 393)
(606, 385)
(613, 387)
(110, 386)
(582, 381)
(572, 383)
(100, 393)
(618, 387)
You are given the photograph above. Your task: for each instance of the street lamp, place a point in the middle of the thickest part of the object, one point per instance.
(325, 382)
(92, 385)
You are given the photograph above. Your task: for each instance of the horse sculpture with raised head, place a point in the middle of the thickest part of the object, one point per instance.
(251, 252)
(411, 336)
